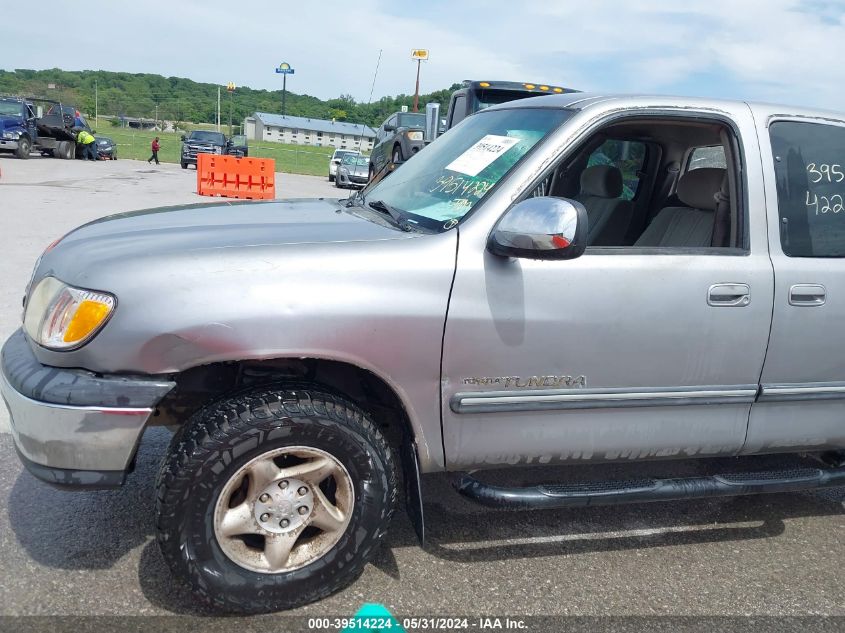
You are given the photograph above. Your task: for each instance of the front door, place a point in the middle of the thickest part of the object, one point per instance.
(803, 383)
(623, 353)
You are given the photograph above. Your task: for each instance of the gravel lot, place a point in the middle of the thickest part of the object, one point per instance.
(93, 553)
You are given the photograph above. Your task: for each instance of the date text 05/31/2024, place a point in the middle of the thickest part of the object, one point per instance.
(374, 624)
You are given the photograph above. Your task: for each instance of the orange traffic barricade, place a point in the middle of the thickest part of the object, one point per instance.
(231, 177)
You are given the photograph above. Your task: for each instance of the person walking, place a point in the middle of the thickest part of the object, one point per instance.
(89, 145)
(155, 146)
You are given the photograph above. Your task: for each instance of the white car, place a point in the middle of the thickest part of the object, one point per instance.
(337, 157)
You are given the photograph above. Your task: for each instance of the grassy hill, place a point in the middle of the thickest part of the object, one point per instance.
(184, 100)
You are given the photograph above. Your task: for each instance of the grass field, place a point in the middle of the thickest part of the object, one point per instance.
(292, 159)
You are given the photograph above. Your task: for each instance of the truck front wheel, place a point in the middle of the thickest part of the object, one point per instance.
(24, 148)
(274, 498)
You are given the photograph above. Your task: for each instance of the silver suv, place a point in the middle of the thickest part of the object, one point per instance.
(563, 280)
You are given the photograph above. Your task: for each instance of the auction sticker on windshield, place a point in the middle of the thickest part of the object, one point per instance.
(480, 155)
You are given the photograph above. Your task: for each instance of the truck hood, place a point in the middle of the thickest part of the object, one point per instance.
(7, 122)
(187, 231)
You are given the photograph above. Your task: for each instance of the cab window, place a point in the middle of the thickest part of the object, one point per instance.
(809, 164)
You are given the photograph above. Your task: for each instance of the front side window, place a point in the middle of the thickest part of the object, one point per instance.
(628, 157)
(444, 181)
(809, 163)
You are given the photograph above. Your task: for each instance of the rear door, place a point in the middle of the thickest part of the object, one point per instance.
(803, 381)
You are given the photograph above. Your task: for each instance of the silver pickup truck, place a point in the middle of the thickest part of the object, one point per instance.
(563, 280)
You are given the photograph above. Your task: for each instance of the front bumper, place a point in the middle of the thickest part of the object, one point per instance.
(352, 179)
(8, 144)
(73, 427)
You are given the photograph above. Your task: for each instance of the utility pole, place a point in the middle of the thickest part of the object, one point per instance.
(218, 108)
(420, 55)
(156, 113)
(96, 105)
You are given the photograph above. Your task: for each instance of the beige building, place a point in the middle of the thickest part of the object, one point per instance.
(296, 130)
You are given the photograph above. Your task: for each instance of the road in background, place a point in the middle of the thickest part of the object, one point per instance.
(66, 553)
(41, 199)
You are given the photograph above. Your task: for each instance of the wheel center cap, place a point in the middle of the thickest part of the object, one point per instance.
(283, 505)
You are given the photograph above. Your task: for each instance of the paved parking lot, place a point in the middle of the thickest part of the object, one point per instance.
(67, 553)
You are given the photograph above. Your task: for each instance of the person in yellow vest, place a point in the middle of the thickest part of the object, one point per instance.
(89, 145)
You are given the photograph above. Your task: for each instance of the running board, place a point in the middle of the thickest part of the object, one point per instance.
(602, 493)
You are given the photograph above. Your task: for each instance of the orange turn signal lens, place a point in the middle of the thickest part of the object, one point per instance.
(88, 317)
(484, 84)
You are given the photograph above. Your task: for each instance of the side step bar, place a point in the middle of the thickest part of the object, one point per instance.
(600, 493)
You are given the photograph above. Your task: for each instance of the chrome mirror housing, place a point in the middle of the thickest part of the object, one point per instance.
(541, 228)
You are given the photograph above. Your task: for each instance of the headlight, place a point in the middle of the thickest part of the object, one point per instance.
(414, 136)
(13, 135)
(218, 150)
(61, 317)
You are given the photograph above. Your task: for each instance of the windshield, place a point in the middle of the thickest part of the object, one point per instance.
(10, 108)
(104, 140)
(446, 180)
(339, 153)
(211, 137)
(486, 98)
(361, 161)
(411, 120)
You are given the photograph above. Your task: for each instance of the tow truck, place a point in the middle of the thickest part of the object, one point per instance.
(471, 97)
(24, 128)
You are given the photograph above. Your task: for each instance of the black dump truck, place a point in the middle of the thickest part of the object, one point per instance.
(471, 97)
(23, 128)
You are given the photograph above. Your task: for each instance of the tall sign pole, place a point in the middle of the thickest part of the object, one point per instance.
(284, 70)
(230, 88)
(420, 55)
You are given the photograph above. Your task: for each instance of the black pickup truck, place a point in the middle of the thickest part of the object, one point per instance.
(207, 142)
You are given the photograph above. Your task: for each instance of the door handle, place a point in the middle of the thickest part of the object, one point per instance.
(807, 295)
(728, 295)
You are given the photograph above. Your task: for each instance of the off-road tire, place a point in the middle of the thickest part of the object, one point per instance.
(331, 178)
(397, 154)
(184, 165)
(224, 436)
(24, 148)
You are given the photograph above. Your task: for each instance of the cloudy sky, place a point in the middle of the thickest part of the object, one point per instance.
(776, 50)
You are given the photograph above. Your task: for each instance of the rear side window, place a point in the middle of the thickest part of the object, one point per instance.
(628, 157)
(710, 156)
(809, 162)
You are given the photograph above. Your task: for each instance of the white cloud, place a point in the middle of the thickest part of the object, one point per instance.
(782, 50)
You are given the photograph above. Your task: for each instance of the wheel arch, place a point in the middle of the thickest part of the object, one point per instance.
(198, 386)
(202, 384)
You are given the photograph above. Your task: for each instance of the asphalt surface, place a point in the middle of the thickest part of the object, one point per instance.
(93, 553)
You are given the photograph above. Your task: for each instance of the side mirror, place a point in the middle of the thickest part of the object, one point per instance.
(389, 128)
(541, 228)
(183, 137)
